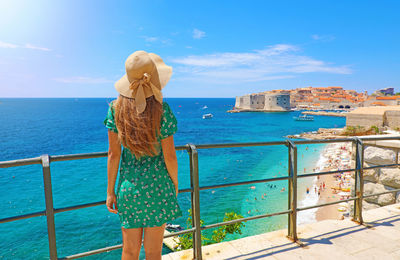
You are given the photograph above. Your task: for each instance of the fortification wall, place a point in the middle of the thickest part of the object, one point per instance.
(263, 102)
(392, 118)
(364, 120)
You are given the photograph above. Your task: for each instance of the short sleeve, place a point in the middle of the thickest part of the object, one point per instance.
(109, 122)
(169, 125)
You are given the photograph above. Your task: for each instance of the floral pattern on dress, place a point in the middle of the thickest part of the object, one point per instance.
(145, 193)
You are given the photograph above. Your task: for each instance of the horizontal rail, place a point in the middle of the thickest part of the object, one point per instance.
(30, 215)
(326, 204)
(323, 173)
(381, 166)
(242, 183)
(93, 252)
(115, 247)
(20, 162)
(244, 219)
(232, 145)
(80, 206)
(323, 141)
(380, 193)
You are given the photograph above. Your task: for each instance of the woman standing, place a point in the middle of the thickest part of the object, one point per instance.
(144, 125)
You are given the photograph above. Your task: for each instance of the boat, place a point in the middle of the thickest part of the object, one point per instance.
(205, 107)
(207, 116)
(173, 227)
(303, 118)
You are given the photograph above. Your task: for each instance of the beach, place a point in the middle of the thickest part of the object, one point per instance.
(333, 187)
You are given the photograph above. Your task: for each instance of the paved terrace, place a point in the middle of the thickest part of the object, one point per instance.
(328, 239)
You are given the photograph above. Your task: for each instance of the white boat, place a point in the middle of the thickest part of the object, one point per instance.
(304, 118)
(207, 116)
(205, 107)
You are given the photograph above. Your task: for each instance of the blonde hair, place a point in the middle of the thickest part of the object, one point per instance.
(138, 132)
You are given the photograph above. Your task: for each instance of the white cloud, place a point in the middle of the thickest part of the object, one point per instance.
(197, 34)
(150, 38)
(324, 38)
(33, 47)
(83, 80)
(7, 45)
(26, 46)
(273, 62)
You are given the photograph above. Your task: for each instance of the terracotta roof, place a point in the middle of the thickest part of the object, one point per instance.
(386, 98)
(378, 103)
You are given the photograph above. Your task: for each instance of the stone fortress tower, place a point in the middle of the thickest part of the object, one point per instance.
(268, 102)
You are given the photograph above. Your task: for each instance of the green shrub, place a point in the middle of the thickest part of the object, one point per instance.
(218, 235)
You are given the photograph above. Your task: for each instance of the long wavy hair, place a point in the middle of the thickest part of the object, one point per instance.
(138, 132)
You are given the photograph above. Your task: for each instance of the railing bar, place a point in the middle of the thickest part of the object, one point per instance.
(242, 183)
(93, 252)
(190, 230)
(244, 219)
(30, 215)
(323, 173)
(232, 145)
(326, 204)
(380, 193)
(110, 248)
(381, 166)
(20, 162)
(323, 141)
(81, 206)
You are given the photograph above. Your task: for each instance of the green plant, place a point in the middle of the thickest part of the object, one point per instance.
(218, 235)
(375, 129)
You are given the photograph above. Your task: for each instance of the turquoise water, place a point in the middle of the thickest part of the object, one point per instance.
(32, 127)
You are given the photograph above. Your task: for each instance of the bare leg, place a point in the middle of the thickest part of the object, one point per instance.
(153, 240)
(132, 242)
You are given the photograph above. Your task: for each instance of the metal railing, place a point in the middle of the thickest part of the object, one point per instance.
(46, 160)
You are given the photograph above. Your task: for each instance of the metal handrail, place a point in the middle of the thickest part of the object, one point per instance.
(192, 149)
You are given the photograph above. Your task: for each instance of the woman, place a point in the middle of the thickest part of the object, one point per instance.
(148, 183)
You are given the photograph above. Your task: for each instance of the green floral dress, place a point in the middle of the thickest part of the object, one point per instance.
(146, 194)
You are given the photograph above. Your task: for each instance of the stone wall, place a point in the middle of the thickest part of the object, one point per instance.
(392, 118)
(380, 179)
(263, 102)
(364, 120)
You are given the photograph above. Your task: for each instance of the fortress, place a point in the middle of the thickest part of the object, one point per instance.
(273, 102)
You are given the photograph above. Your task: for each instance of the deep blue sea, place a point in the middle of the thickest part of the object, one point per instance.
(32, 127)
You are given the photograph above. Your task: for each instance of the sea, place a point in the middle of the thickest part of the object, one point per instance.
(60, 126)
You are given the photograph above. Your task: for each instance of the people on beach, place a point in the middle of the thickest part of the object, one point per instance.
(144, 125)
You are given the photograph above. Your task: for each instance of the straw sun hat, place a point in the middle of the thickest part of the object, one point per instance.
(146, 74)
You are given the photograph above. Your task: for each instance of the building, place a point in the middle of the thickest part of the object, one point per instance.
(267, 101)
(382, 101)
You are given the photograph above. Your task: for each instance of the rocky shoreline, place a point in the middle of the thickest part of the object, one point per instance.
(322, 133)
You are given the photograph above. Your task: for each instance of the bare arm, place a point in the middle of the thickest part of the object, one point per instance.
(114, 156)
(171, 161)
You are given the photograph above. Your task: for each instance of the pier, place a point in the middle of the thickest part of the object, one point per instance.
(377, 238)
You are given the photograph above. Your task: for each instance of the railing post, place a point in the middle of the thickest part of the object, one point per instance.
(194, 183)
(48, 195)
(292, 192)
(359, 181)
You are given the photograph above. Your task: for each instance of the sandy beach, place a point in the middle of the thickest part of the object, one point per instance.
(335, 156)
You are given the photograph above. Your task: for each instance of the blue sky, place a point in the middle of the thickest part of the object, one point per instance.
(216, 48)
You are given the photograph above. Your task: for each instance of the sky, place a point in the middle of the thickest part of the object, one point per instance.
(216, 48)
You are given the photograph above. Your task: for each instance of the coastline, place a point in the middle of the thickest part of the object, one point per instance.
(336, 156)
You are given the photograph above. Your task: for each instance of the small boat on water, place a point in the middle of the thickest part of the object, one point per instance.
(303, 118)
(207, 116)
(173, 227)
(205, 107)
